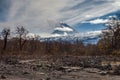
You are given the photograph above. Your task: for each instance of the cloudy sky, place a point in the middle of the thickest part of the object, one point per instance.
(40, 16)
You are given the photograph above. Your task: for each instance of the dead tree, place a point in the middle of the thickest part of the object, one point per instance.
(21, 34)
(112, 32)
(5, 34)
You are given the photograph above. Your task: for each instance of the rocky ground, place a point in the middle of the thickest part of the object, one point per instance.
(60, 68)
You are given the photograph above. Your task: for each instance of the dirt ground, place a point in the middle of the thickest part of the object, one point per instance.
(60, 68)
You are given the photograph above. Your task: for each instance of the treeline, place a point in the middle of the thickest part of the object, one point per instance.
(21, 44)
(110, 40)
(35, 47)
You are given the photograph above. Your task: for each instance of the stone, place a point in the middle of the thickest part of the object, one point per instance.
(3, 77)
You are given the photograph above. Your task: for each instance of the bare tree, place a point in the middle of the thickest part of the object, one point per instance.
(112, 31)
(21, 33)
(5, 34)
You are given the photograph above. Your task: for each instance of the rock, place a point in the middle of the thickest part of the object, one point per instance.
(24, 73)
(69, 69)
(11, 61)
(42, 79)
(116, 70)
(35, 69)
(106, 67)
(47, 78)
(103, 73)
(92, 70)
(3, 77)
(61, 69)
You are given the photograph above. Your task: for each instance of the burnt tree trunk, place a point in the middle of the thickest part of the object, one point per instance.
(5, 43)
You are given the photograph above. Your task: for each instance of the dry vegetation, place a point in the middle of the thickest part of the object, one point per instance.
(25, 58)
(22, 45)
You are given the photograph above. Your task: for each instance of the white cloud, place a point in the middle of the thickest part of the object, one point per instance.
(92, 9)
(89, 16)
(89, 34)
(35, 14)
(96, 21)
(64, 29)
(116, 3)
(40, 16)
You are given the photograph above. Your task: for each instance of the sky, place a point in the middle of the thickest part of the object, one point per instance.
(41, 16)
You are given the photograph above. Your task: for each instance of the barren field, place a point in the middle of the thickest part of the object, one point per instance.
(60, 68)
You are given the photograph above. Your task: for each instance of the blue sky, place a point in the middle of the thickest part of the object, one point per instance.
(40, 16)
(93, 24)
